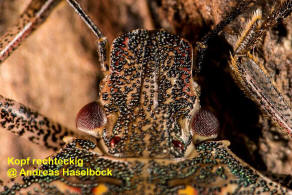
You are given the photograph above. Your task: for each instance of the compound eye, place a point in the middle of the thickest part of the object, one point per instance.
(205, 125)
(90, 117)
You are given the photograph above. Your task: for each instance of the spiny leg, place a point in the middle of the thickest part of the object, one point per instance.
(258, 28)
(202, 45)
(33, 16)
(20, 120)
(251, 74)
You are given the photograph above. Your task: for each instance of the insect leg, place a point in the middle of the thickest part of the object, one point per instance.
(251, 74)
(202, 45)
(258, 28)
(33, 16)
(102, 42)
(20, 120)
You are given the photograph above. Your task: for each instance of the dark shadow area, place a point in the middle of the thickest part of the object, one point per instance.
(237, 114)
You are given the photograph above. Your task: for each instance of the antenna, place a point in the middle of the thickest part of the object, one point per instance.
(76, 6)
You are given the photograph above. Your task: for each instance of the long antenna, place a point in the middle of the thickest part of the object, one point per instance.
(76, 6)
(102, 43)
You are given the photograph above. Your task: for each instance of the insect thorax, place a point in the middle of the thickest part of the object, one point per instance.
(149, 95)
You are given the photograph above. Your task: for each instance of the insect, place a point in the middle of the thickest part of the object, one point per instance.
(144, 159)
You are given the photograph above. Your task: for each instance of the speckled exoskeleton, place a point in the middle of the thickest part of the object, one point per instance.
(147, 125)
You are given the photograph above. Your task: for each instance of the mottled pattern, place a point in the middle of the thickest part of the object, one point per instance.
(212, 169)
(20, 120)
(34, 15)
(148, 95)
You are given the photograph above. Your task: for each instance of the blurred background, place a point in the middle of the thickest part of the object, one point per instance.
(55, 71)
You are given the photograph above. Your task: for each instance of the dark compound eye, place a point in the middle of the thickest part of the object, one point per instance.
(91, 116)
(205, 123)
(114, 141)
